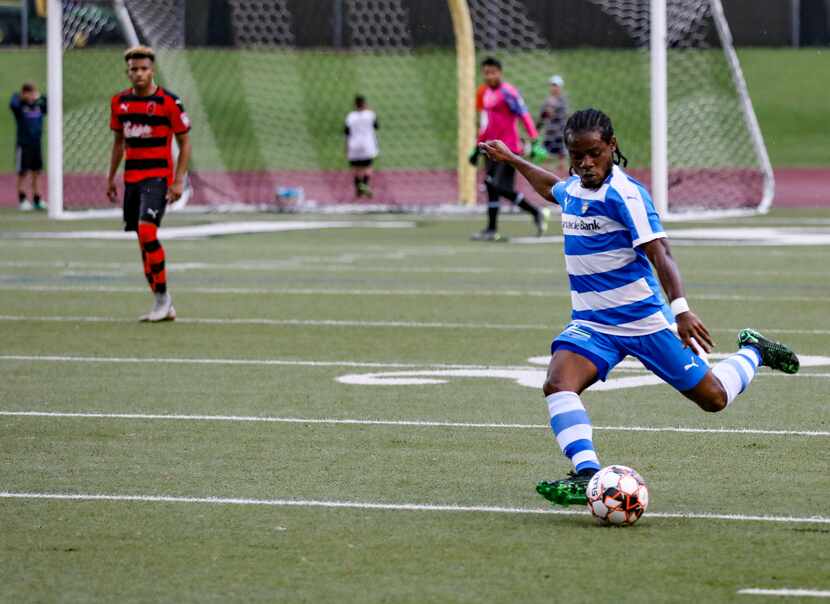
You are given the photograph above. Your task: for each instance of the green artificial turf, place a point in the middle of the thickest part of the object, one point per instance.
(305, 308)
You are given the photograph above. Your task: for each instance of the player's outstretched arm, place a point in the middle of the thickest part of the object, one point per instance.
(541, 180)
(689, 326)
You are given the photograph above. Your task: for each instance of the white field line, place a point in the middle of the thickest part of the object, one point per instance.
(260, 362)
(392, 422)
(409, 507)
(288, 322)
(120, 268)
(357, 323)
(461, 293)
(785, 592)
(287, 291)
(218, 228)
(278, 363)
(304, 363)
(335, 264)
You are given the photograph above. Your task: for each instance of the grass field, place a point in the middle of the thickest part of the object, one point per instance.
(311, 508)
(271, 110)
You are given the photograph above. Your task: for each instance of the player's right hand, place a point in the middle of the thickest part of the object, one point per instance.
(112, 192)
(496, 150)
(693, 332)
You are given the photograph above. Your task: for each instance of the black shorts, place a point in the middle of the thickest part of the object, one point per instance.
(360, 163)
(28, 158)
(144, 201)
(500, 175)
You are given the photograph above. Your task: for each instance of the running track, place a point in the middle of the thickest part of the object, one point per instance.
(795, 187)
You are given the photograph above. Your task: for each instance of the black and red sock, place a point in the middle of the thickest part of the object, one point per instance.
(153, 257)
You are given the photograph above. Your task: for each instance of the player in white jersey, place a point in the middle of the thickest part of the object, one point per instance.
(361, 145)
(614, 243)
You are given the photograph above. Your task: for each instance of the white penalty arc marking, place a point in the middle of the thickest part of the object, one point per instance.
(394, 422)
(785, 592)
(409, 507)
(352, 323)
(509, 293)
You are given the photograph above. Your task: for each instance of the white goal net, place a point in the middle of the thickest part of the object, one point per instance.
(268, 84)
(268, 100)
(716, 156)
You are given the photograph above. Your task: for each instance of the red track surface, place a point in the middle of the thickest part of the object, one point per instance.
(795, 187)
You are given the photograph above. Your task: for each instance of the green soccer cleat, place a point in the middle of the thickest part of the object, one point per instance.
(567, 491)
(773, 354)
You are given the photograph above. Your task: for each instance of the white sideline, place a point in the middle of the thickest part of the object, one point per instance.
(410, 507)
(393, 422)
(358, 323)
(461, 293)
(785, 592)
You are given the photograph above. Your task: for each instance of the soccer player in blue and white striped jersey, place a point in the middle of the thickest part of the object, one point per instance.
(614, 245)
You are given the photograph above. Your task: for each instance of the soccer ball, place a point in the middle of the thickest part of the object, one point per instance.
(617, 495)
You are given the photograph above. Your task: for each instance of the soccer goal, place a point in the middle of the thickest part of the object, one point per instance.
(268, 84)
(665, 71)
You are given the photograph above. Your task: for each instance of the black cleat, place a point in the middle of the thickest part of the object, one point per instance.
(773, 354)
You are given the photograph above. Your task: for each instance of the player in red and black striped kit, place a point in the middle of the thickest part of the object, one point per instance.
(144, 120)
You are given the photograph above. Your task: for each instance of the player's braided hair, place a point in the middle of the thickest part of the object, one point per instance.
(588, 120)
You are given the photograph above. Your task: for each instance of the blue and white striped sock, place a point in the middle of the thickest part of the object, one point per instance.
(736, 372)
(572, 428)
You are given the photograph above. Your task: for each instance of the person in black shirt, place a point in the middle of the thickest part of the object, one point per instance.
(551, 123)
(29, 109)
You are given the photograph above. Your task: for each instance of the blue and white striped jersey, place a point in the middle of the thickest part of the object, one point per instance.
(613, 287)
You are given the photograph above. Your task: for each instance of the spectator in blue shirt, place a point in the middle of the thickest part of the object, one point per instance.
(29, 109)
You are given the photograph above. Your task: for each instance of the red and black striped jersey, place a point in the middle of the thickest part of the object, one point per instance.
(148, 124)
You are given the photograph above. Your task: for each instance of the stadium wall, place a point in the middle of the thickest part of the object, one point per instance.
(565, 23)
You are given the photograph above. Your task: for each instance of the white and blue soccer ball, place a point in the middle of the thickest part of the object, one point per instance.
(617, 495)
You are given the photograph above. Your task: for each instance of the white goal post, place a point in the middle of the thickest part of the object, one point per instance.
(659, 111)
(674, 89)
(54, 77)
(659, 108)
